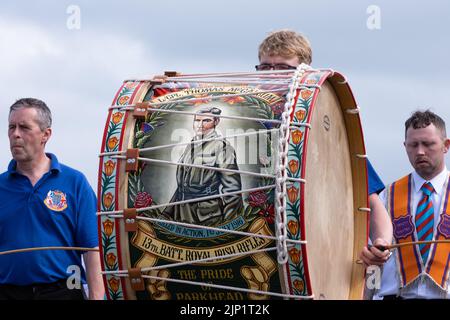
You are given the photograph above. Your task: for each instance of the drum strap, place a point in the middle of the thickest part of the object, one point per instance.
(409, 262)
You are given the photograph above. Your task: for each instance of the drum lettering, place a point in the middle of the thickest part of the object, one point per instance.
(170, 252)
(197, 255)
(209, 296)
(206, 288)
(250, 244)
(224, 251)
(216, 274)
(146, 242)
(268, 97)
(187, 274)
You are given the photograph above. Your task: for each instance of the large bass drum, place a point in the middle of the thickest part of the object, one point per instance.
(233, 186)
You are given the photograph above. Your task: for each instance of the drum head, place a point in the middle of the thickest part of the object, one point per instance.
(329, 200)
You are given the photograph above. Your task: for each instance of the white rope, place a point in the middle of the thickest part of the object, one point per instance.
(218, 97)
(281, 175)
(115, 153)
(212, 97)
(194, 142)
(240, 233)
(199, 166)
(107, 213)
(190, 225)
(119, 215)
(193, 262)
(131, 107)
(206, 198)
(217, 286)
(215, 75)
(238, 81)
(234, 74)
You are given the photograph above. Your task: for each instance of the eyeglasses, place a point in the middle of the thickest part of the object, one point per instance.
(277, 66)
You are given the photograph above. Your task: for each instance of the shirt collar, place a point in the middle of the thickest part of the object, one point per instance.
(54, 164)
(437, 182)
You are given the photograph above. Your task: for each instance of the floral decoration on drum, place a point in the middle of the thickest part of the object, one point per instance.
(107, 188)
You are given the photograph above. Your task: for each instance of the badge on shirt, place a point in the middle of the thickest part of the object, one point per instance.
(56, 200)
(403, 227)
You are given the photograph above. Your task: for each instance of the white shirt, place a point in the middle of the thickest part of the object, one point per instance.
(424, 288)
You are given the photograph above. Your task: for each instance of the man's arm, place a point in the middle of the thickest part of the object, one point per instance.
(380, 223)
(380, 230)
(93, 275)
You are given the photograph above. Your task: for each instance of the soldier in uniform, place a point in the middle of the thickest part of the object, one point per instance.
(195, 182)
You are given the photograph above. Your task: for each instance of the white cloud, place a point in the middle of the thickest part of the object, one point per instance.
(76, 73)
(21, 43)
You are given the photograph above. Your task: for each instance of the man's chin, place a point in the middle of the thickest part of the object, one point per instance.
(424, 171)
(19, 156)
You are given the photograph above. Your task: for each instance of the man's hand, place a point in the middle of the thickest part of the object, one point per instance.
(373, 256)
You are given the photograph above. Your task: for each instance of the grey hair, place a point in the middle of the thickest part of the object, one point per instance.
(44, 117)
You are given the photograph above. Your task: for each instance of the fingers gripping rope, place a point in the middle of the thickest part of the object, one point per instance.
(281, 173)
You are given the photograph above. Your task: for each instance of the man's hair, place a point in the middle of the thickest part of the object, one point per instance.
(286, 43)
(422, 119)
(44, 115)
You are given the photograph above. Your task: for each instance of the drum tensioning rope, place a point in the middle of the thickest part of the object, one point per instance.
(47, 248)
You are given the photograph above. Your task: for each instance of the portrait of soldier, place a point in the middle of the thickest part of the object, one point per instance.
(206, 149)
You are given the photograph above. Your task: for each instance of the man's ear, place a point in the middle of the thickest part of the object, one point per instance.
(446, 145)
(47, 135)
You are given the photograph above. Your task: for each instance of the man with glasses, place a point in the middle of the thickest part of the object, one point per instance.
(286, 50)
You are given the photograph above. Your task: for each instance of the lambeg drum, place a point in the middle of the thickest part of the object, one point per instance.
(233, 186)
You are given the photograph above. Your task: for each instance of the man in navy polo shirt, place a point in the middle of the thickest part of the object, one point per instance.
(286, 50)
(44, 203)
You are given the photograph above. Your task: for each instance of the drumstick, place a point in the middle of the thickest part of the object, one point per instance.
(398, 245)
(404, 244)
(47, 248)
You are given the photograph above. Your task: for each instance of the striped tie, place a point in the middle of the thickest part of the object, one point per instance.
(425, 220)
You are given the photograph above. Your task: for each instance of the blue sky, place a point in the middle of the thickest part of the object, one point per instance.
(393, 70)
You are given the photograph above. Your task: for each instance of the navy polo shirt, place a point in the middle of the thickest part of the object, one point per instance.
(60, 210)
(375, 183)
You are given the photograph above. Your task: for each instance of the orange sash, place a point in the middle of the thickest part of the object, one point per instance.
(409, 261)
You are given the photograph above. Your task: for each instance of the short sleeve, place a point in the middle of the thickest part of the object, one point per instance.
(375, 183)
(86, 231)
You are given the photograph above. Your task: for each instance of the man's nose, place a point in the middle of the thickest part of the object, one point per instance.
(421, 149)
(15, 133)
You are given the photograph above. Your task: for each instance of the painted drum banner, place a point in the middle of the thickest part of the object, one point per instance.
(196, 215)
